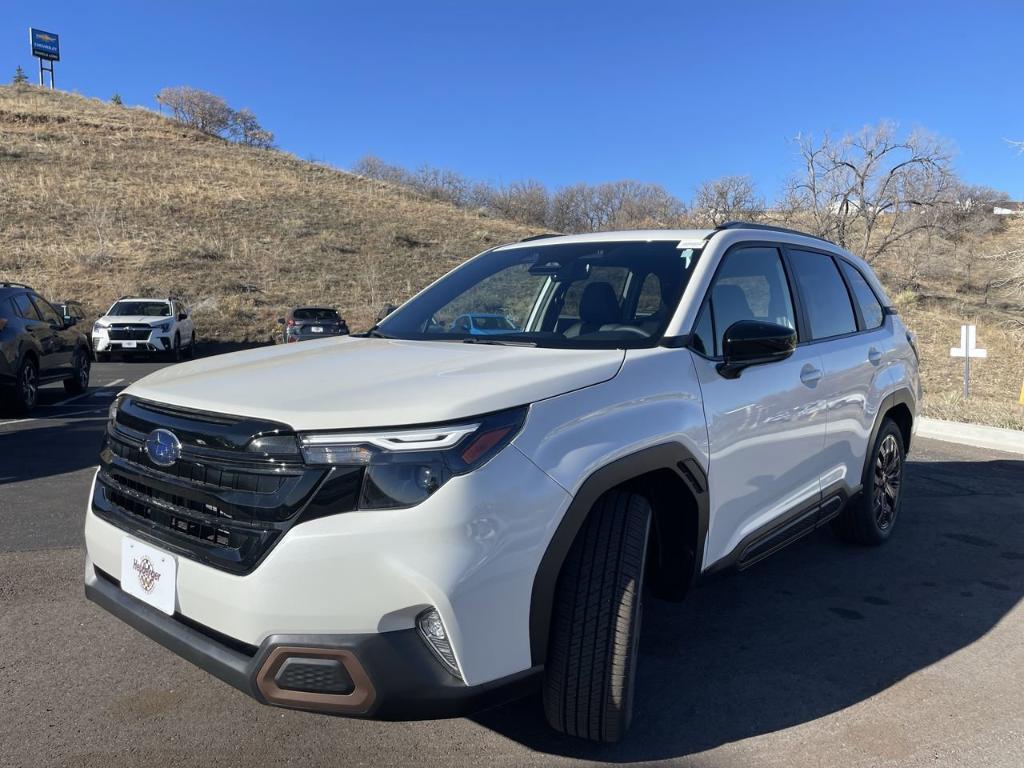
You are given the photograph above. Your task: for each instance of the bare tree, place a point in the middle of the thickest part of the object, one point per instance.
(964, 223)
(869, 190)
(245, 129)
(524, 201)
(613, 205)
(202, 110)
(374, 168)
(726, 199)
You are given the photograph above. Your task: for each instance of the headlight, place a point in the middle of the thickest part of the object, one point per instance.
(405, 466)
(163, 327)
(112, 413)
(97, 327)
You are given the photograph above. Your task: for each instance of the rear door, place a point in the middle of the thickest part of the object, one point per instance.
(766, 428)
(60, 345)
(44, 339)
(847, 327)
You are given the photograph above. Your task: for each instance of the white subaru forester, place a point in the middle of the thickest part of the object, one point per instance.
(436, 521)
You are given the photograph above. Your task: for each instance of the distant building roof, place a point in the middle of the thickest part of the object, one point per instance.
(1007, 207)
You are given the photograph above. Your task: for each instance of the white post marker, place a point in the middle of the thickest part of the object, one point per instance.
(967, 350)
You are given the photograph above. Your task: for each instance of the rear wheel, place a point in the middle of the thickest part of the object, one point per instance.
(870, 518)
(25, 392)
(79, 381)
(595, 627)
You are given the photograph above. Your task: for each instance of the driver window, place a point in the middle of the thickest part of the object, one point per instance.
(750, 285)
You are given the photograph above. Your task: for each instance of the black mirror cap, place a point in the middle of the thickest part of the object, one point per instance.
(183, 316)
(754, 342)
(280, 321)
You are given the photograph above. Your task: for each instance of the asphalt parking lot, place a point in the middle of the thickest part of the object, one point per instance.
(825, 655)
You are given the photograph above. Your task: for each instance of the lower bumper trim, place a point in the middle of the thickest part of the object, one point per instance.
(395, 675)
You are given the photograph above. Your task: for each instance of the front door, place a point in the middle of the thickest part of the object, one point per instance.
(766, 428)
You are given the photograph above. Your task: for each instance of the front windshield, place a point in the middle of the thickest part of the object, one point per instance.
(603, 294)
(144, 308)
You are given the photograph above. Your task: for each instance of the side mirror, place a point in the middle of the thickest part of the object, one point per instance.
(754, 342)
(280, 321)
(183, 316)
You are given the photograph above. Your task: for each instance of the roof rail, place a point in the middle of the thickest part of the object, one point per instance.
(770, 228)
(8, 284)
(539, 237)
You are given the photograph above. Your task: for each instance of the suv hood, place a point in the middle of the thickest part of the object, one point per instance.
(134, 319)
(345, 382)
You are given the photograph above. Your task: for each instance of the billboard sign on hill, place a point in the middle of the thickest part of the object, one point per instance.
(45, 45)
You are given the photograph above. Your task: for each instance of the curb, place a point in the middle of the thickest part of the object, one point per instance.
(993, 438)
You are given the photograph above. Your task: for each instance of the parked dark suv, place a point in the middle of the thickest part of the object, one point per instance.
(37, 346)
(305, 323)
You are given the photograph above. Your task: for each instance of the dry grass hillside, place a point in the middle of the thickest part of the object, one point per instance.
(98, 200)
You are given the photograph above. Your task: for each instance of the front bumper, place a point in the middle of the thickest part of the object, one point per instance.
(394, 675)
(471, 551)
(156, 342)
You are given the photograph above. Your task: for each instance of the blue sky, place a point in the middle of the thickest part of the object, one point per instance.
(667, 92)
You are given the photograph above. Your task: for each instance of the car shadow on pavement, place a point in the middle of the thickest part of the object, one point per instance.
(819, 627)
(41, 449)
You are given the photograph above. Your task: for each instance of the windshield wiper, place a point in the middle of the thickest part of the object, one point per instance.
(373, 332)
(498, 342)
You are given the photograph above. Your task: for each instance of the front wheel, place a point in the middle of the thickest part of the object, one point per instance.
(870, 518)
(175, 351)
(191, 352)
(79, 381)
(595, 627)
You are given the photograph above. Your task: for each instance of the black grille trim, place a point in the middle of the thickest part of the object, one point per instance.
(129, 332)
(219, 504)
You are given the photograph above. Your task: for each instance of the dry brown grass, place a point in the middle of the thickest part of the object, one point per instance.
(97, 201)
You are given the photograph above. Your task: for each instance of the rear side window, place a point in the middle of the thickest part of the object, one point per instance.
(312, 313)
(870, 309)
(25, 307)
(829, 311)
(750, 285)
(48, 313)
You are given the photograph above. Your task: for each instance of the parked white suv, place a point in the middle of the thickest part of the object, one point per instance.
(145, 325)
(436, 521)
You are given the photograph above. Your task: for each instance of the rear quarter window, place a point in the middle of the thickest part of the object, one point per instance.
(870, 308)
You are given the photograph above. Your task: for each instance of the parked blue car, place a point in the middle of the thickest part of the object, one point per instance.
(483, 324)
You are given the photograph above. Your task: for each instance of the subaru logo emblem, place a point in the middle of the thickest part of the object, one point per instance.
(162, 447)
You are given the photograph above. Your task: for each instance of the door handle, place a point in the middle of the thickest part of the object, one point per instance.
(874, 356)
(810, 375)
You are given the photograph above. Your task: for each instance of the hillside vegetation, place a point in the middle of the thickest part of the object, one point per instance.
(99, 200)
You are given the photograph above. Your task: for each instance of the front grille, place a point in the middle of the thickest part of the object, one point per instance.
(223, 506)
(130, 332)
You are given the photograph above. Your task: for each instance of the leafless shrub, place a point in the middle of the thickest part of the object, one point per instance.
(613, 205)
(245, 129)
(210, 114)
(198, 109)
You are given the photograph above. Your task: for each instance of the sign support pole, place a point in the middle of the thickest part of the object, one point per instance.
(968, 348)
